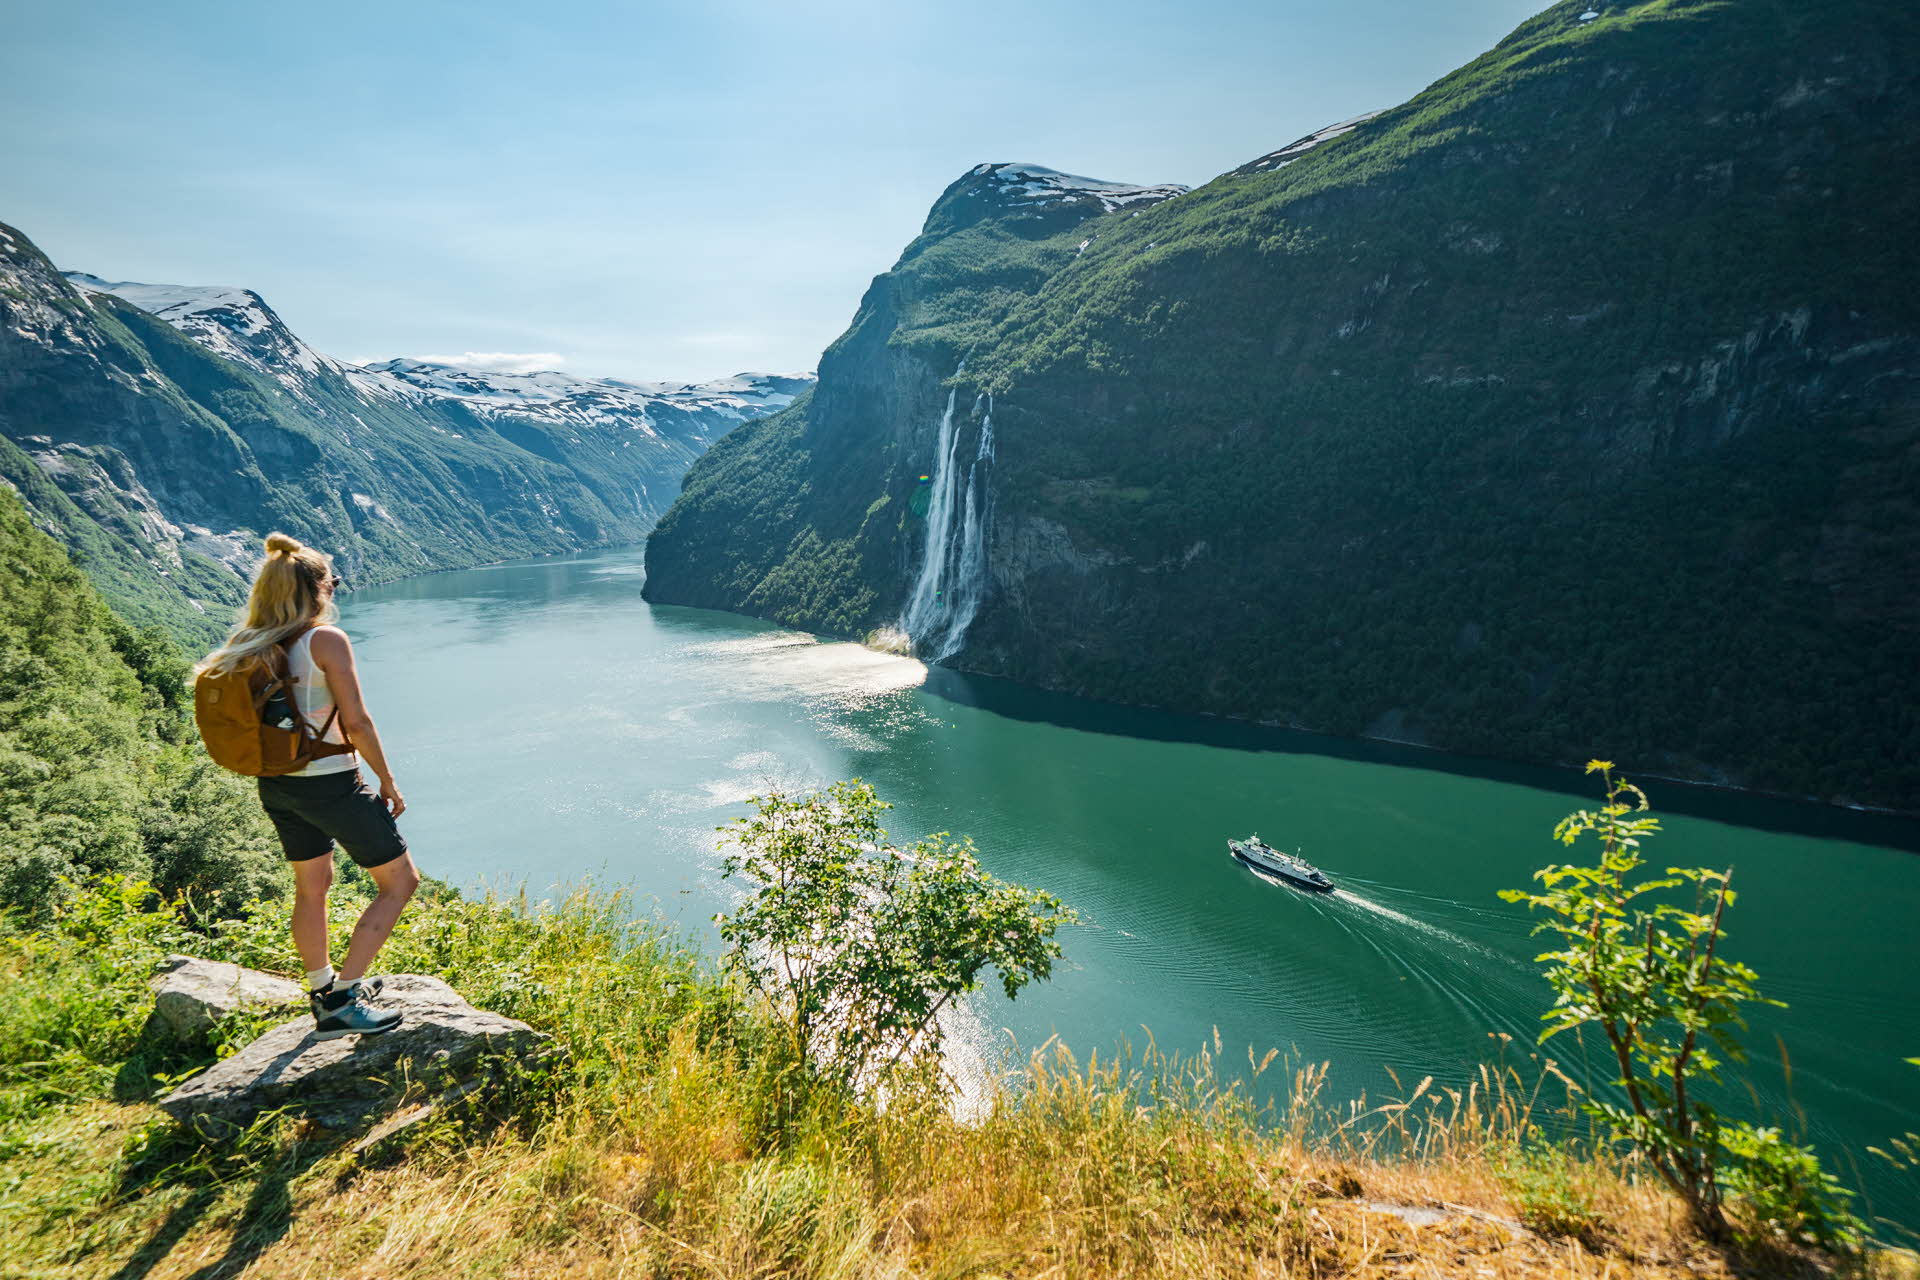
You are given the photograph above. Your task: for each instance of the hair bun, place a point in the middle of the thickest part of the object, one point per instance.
(282, 543)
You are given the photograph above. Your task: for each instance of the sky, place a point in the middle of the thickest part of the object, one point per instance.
(640, 190)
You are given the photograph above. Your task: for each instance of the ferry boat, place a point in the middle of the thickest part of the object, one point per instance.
(1295, 871)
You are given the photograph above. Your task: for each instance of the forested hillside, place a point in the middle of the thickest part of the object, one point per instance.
(1572, 406)
(100, 768)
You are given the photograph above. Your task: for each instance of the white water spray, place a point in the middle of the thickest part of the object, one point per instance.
(953, 565)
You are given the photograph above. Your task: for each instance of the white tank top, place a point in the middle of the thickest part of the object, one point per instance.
(314, 701)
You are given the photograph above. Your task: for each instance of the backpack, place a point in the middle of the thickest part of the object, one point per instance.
(251, 724)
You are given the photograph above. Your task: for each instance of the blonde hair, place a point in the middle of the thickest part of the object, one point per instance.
(285, 600)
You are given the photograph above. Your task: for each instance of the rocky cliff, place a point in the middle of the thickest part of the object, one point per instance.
(1568, 408)
(158, 430)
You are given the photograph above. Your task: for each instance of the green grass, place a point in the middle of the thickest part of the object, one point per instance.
(673, 1137)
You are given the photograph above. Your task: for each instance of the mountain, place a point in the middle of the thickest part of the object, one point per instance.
(1568, 409)
(158, 431)
(689, 411)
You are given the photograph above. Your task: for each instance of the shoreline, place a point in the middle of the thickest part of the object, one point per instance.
(1571, 767)
(885, 640)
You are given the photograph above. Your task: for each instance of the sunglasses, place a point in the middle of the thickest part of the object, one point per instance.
(335, 582)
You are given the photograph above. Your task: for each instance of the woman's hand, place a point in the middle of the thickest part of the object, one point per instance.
(391, 797)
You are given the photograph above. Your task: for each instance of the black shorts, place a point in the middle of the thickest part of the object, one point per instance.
(311, 813)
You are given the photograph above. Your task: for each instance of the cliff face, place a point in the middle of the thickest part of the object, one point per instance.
(815, 515)
(159, 444)
(1569, 408)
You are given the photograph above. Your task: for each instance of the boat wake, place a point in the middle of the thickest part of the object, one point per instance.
(1412, 922)
(1478, 979)
(1381, 909)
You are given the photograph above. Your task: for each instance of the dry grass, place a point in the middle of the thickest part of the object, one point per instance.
(1069, 1174)
(672, 1144)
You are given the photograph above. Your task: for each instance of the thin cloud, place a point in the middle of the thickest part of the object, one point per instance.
(501, 361)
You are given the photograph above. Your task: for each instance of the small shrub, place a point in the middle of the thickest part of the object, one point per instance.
(860, 946)
(1648, 973)
(1552, 1192)
(1784, 1193)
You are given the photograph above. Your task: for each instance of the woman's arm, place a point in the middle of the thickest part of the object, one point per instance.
(333, 654)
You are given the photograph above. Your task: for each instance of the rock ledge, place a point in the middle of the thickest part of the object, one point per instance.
(443, 1041)
(190, 995)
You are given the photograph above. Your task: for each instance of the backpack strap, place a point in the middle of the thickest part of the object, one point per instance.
(316, 739)
(285, 643)
(279, 678)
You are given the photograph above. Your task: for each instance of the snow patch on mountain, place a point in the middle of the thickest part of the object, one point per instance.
(1294, 150)
(564, 397)
(231, 322)
(501, 361)
(238, 325)
(1020, 184)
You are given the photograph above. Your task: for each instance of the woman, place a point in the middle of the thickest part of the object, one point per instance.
(291, 606)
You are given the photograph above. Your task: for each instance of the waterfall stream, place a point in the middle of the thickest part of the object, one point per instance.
(953, 566)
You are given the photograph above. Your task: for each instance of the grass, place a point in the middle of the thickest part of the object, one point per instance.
(673, 1138)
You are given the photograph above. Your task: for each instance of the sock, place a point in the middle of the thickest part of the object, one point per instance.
(320, 979)
(353, 987)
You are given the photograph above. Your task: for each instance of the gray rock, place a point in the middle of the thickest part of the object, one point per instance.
(341, 1082)
(190, 995)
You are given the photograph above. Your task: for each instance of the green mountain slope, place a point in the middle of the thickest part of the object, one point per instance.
(160, 456)
(1569, 408)
(100, 770)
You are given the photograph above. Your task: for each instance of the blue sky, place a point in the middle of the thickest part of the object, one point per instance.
(641, 190)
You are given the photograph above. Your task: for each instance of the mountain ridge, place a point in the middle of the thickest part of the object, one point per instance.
(1566, 409)
(159, 447)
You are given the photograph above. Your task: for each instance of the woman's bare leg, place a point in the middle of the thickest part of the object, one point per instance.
(396, 882)
(312, 877)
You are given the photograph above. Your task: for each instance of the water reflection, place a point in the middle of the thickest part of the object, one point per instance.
(1021, 702)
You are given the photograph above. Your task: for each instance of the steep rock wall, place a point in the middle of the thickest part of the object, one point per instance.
(1571, 408)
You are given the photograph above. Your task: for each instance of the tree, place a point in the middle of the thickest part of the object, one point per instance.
(861, 946)
(1651, 979)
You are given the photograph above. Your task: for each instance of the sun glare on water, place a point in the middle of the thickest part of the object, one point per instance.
(790, 664)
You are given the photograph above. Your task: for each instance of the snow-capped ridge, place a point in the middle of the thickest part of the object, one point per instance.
(555, 396)
(162, 299)
(1300, 146)
(1019, 183)
(231, 322)
(238, 324)
(548, 385)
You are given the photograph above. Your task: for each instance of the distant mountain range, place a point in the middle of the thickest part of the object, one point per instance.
(1571, 408)
(159, 431)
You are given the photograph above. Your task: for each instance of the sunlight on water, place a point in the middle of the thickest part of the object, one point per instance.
(791, 664)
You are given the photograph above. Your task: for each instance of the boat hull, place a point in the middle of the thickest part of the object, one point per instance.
(1292, 878)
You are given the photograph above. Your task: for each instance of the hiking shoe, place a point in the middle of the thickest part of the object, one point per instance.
(338, 1012)
(370, 988)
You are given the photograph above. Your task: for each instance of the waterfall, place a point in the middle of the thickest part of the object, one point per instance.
(953, 566)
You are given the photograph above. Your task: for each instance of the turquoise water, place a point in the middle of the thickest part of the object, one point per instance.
(547, 725)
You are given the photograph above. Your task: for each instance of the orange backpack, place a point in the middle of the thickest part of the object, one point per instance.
(251, 724)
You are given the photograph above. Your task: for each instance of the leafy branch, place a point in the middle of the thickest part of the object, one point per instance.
(1649, 974)
(860, 946)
